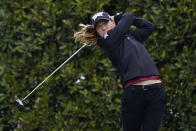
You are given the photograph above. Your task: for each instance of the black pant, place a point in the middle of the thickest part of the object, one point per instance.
(142, 107)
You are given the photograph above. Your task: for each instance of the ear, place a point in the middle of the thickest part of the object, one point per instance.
(113, 22)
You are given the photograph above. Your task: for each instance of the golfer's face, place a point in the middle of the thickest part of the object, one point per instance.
(103, 26)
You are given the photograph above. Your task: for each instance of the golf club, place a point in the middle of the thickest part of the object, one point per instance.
(20, 101)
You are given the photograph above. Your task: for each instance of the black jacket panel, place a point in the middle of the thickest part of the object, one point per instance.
(124, 48)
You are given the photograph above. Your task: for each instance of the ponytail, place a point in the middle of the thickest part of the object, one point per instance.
(87, 35)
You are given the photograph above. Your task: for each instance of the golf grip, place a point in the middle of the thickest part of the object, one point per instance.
(53, 72)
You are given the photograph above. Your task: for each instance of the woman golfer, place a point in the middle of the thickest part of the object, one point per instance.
(143, 97)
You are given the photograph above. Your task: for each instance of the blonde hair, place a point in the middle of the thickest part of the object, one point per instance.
(87, 35)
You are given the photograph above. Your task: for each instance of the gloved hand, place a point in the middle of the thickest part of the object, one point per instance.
(117, 17)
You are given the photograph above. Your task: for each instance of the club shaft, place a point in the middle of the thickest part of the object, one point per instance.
(52, 73)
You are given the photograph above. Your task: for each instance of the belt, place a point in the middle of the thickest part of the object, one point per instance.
(146, 87)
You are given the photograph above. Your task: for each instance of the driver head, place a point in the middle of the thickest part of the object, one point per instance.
(20, 105)
(19, 102)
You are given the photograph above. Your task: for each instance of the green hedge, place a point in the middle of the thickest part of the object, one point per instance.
(36, 36)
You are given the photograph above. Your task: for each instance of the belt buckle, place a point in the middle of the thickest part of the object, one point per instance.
(143, 87)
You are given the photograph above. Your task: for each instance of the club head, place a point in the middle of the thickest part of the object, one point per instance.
(20, 104)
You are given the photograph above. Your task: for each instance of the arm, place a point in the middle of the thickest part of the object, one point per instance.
(144, 29)
(122, 26)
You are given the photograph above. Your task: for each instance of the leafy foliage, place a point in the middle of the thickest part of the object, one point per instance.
(37, 36)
